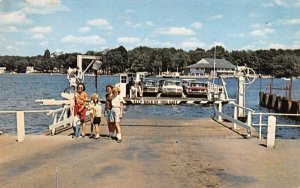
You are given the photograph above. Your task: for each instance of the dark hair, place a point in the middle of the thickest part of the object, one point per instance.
(82, 86)
(109, 85)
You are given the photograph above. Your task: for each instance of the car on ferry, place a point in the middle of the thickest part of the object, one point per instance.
(150, 87)
(186, 82)
(196, 89)
(172, 88)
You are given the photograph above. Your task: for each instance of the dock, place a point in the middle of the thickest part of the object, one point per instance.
(166, 100)
(156, 152)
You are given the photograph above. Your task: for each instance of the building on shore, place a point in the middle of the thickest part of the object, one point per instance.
(2, 70)
(29, 69)
(206, 67)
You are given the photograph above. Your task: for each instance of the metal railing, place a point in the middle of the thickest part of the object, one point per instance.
(20, 118)
(61, 117)
(65, 118)
(261, 114)
(247, 125)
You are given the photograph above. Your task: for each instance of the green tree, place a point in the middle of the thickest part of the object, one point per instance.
(21, 65)
(47, 54)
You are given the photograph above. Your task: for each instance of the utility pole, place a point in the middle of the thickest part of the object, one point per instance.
(214, 74)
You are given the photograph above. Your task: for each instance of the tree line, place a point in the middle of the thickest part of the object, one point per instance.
(278, 63)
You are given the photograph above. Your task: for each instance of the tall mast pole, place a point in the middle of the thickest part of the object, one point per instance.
(214, 74)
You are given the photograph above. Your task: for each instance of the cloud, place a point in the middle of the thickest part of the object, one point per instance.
(44, 43)
(262, 30)
(269, 4)
(128, 40)
(192, 43)
(297, 4)
(130, 11)
(12, 48)
(276, 46)
(217, 17)
(41, 29)
(9, 29)
(20, 43)
(238, 35)
(282, 3)
(295, 21)
(93, 39)
(12, 18)
(100, 23)
(97, 22)
(149, 23)
(43, 7)
(128, 23)
(217, 44)
(38, 36)
(84, 29)
(248, 47)
(175, 31)
(156, 43)
(196, 25)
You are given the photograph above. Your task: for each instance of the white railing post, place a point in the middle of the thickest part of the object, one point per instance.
(249, 119)
(271, 131)
(249, 122)
(260, 124)
(55, 118)
(20, 126)
(220, 111)
(235, 116)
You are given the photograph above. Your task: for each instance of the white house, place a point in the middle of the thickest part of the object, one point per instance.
(206, 67)
(2, 70)
(29, 70)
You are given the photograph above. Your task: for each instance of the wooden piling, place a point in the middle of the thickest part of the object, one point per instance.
(271, 101)
(286, 104)
(295, 109)
(261, 97)
(277, 105)
(265, 99)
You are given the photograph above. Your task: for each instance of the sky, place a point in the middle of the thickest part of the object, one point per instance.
(29, 27)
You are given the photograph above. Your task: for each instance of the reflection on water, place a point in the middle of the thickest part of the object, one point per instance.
(19, 92)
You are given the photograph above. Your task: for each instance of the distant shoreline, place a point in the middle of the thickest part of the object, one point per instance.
(157, 76)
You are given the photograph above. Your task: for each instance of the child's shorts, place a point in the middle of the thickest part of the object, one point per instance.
(97, 120)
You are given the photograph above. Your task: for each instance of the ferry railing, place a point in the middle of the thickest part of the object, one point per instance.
(20, 119)
(66, 117)
(235, 120)
(260, 123)
(61, 117)
(248, 125)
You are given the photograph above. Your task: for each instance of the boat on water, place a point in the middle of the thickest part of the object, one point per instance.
(284, 78)
(170, 75)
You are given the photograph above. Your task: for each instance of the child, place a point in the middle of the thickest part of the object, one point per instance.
(96, 114)
(116, 111)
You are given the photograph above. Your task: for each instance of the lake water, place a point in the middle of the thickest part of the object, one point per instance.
(19, 92)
